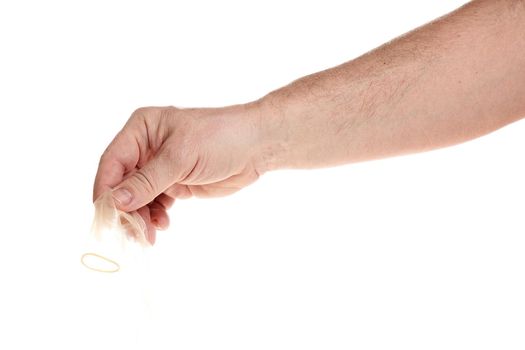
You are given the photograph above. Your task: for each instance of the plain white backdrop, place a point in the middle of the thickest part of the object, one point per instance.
(417, 252)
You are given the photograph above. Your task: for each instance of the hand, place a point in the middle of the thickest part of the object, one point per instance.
(163, 153)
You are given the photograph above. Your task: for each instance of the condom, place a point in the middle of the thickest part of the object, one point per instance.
(116, 237)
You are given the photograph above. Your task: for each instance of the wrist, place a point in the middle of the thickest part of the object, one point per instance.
(273, 134)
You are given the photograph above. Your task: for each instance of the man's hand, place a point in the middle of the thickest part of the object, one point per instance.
(167, 153)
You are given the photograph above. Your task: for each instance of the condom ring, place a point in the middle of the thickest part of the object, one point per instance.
(99, 263)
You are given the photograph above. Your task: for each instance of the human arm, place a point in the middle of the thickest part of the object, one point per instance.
(449, 81)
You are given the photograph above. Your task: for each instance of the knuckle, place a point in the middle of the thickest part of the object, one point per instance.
(103, 158)
(106, 155)
(141, 111)
(167, 112)
(145, 181)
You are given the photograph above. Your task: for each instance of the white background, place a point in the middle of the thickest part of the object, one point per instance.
(416, 252)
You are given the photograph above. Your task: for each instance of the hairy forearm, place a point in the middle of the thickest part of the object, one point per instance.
(449, 81)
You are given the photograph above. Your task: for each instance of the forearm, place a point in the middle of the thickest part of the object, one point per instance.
(449, 81)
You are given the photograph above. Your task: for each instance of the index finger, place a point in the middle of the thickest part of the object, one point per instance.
(120, 158)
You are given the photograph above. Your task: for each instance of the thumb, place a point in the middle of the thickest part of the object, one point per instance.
(144, 185)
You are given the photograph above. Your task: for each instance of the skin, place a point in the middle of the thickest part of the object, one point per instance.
(452, 80)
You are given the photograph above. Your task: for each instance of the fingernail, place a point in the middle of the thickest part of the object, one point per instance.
(122, 196)
(158, 225)
(151, 238)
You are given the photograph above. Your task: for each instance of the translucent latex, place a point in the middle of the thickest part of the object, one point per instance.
(116, 237)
